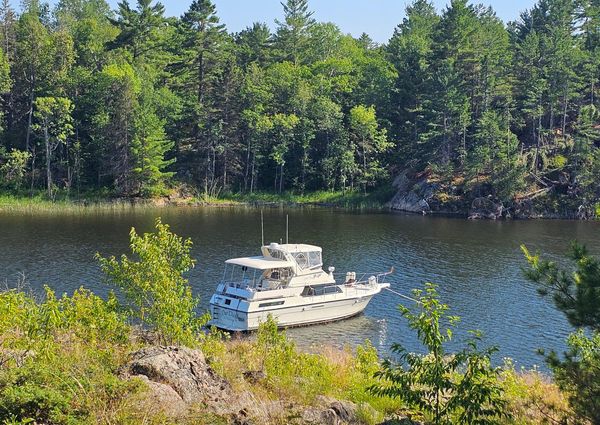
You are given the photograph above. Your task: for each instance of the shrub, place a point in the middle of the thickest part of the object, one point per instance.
(59, 358)
(577, 295)
(156, 292)
(13, 166)
(449, 388)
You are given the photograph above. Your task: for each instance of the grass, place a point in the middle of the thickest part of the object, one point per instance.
(344, 199)
(63, 201)
(105, 200)
(534, 399)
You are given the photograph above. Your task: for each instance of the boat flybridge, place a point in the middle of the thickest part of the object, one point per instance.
(288, 282)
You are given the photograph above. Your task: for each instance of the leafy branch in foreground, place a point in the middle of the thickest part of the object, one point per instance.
(577, 294)
(447, 387)
(156, 292)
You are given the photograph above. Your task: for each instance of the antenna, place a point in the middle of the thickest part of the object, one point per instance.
(287, 229)
(262, 228)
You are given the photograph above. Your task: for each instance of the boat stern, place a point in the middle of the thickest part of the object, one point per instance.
(226, 314)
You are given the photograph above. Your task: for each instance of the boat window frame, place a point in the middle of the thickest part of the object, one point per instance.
(315, 290)
(244, 281)
(308, 260)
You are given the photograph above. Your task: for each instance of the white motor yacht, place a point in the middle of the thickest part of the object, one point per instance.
(288, 282)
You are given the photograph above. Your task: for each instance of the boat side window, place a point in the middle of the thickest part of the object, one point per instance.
(276, 254)
(314, 259)
(308, 260)
(271, 304)
(277, 274)
(316, 290)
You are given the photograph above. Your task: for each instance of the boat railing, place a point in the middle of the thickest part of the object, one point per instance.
(363, 277)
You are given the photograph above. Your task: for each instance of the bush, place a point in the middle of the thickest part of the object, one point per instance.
(13, 166)
(59, 358)
(446, 387)
(154, 287)
(578, 375)
(577, 295)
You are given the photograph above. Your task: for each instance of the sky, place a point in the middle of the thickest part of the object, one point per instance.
(378, 18)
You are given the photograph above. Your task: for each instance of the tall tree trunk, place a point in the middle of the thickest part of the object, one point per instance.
(247, 165)
(48, 153)
(281, 179)
(564, 117)
(252, 173)
(29, 122)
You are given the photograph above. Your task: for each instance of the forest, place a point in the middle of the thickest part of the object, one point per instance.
(130, 102)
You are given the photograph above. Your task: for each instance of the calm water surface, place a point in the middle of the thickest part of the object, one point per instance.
(477, 264)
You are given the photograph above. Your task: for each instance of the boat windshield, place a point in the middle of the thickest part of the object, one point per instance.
(244, 277)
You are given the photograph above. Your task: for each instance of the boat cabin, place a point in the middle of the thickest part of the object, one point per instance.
(280, 266)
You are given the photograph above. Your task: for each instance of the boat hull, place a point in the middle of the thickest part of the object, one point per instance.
(314, 312)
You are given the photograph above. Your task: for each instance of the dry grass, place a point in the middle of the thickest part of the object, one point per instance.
(535, 399)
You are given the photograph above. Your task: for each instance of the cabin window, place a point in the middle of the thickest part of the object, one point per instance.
(227, 302)
(276, 254)
(301, 260)
(308, 260)
(315, 290)
(314, 259)
(271, 304)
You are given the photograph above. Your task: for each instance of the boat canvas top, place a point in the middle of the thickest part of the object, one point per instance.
(295, 247)
(260, 263)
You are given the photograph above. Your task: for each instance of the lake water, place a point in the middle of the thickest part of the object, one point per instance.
(477, 264)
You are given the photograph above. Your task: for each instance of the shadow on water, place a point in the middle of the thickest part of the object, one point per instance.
(477, 264)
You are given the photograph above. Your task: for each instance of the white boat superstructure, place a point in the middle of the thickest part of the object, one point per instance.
(288, 282)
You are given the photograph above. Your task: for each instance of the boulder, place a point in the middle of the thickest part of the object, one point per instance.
(486, 208)
(332, 412)
(182, 369)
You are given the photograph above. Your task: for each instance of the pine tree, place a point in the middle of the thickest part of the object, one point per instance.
(203, 47)
(149, 147)
(138, 27)
(292, 33)
(409, 50)
(254, 45)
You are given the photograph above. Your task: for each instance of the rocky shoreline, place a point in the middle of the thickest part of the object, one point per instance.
(421, 193)
(179, 380)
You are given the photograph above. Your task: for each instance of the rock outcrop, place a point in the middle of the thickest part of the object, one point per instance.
(486, 208)
(330, 412)
(179, 381)
(412, 194)
(177, 378)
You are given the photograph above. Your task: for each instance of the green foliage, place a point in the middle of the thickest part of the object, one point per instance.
(507, 110)
(153, 284)
(59, 358)
(290, 370)
(149, 147)
(55, 125)
(578, 374)
(13, 166)
(577, 295)
(447, 387)
(302, 376)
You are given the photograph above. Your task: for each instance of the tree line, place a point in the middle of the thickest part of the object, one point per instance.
(137, 102)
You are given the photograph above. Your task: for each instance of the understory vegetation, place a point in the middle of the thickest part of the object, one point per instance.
(61, 356)
(133, 103)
